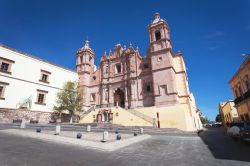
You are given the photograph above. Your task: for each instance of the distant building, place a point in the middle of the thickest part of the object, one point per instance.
(240, 84)
(228, 112)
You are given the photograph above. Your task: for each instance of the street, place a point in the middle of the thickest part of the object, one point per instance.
(212, 148)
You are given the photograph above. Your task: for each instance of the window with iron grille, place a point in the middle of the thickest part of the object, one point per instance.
(44, 77)
(4, 66)
(1, 91)
(40, 98)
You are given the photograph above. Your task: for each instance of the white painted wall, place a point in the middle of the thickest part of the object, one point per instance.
(24, 80)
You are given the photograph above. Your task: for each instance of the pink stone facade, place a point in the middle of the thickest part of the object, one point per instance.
(130, 80)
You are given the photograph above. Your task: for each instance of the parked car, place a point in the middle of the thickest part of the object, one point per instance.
(234, 129)
(217, 124)
(207, 125)
(245, 133)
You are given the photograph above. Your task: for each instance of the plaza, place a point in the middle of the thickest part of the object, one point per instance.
(211, 147)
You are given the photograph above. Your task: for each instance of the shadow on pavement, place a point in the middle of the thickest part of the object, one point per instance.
(223, 147)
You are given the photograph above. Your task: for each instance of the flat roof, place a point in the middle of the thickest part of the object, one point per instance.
(35, 57)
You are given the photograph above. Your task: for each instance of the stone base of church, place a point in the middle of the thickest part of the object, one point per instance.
(174, 116)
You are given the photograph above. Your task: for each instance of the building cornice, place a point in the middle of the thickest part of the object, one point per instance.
(35, 57)
(246, 61)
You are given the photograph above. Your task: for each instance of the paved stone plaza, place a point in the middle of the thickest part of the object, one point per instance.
(92, 140)
(212, 148)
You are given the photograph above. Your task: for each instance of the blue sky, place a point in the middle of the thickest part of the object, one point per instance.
(212, 34)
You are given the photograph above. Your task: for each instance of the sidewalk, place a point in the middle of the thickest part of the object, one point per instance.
(107, 146)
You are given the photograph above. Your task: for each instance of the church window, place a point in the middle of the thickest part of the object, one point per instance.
(148, 88)
(145, 66)
(247, 84)
(240, 92)
(90, 58)
(107, 69)
(92, 97)
(159, 59)
(157, 35)
(80, 59)
(94, 77)
(118, 68)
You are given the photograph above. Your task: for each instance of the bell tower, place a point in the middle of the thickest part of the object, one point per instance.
(85, 63)
(159, 37)
(162, 62)
(85, 67)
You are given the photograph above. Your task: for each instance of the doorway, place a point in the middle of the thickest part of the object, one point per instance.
(119, 98)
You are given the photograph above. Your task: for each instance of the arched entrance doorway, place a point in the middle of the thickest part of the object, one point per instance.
(119, 98)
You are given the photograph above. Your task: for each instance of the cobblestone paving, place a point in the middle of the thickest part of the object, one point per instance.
(159, 150)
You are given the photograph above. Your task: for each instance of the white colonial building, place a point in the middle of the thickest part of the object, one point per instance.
(24, 77)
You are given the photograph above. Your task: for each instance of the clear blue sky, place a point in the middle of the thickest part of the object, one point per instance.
(212, 34)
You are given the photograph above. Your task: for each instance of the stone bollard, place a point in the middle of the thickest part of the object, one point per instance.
(22, 126)
(38, 130)
(117, 131)
(135, 134)
(88, 128)
(79, 135)
(141, 130)
(118, 137)
(58, 129)
(105, 136)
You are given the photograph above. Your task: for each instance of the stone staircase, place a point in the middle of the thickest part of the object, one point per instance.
(130, 111)
(142, 116)
(92, 108)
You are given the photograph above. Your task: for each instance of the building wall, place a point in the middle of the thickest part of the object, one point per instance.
(24, 80)
(240, 85)
(228, 112)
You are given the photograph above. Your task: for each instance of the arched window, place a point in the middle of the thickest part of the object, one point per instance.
(240, 91)
(80, 59)
(118, 68)
(247, 85)
(157, 35)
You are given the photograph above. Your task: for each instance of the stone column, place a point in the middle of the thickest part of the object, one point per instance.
(133, 94)
(153, 35)
(110, 96)
(103, 93)
(126, 96)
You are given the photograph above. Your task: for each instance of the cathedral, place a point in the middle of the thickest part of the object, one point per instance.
(127, 89)
(153, 87)
(129, 80)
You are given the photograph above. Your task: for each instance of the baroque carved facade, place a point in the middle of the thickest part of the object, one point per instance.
(129, 80)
